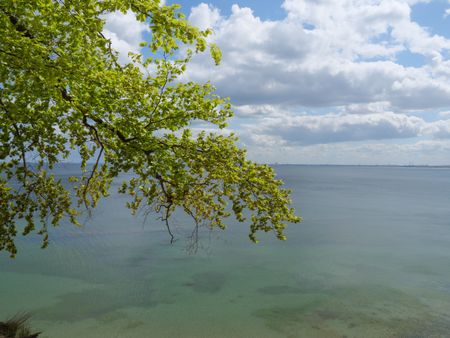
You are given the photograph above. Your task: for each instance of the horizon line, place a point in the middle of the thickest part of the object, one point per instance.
(327, 164)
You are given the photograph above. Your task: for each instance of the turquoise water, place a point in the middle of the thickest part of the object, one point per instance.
(371, 259)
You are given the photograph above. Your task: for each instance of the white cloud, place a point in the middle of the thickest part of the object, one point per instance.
(444, 114)
(347, 58)
(418, 40)
(204, 16)
(439, 129)
(366, 108)
(125, 33)
(332, 128)
(326, 82)
(431, 152)
(258, 110)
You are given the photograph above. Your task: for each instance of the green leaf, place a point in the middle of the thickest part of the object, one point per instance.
(63, 90)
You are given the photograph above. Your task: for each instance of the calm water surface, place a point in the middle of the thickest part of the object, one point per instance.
(371, 259)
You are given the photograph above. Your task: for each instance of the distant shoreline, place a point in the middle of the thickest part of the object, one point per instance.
(320, 165)
(361, 165)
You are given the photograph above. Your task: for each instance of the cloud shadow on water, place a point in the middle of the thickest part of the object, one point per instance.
(97, 303)
(207, 282)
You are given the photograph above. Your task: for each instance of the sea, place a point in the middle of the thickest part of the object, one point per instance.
(371, 258)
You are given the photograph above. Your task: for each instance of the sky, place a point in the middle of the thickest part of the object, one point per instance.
(325, 81)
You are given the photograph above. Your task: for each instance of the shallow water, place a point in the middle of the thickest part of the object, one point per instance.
(371, 259)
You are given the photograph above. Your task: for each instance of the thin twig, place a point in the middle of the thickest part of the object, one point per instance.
(88, 181)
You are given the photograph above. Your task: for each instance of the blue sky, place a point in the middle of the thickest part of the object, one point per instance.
(264, 9)
(346, 82)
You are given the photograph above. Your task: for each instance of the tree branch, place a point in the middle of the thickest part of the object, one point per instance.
(88, 181)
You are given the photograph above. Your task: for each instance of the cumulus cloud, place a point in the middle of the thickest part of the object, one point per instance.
(367, 108)
(333, 128)
(204, 16)
(330, 79)
(125, 33)
(258, 110)
(430, 152)
(325, 84)
(444, 114)
(438, 129)
(325, 53)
